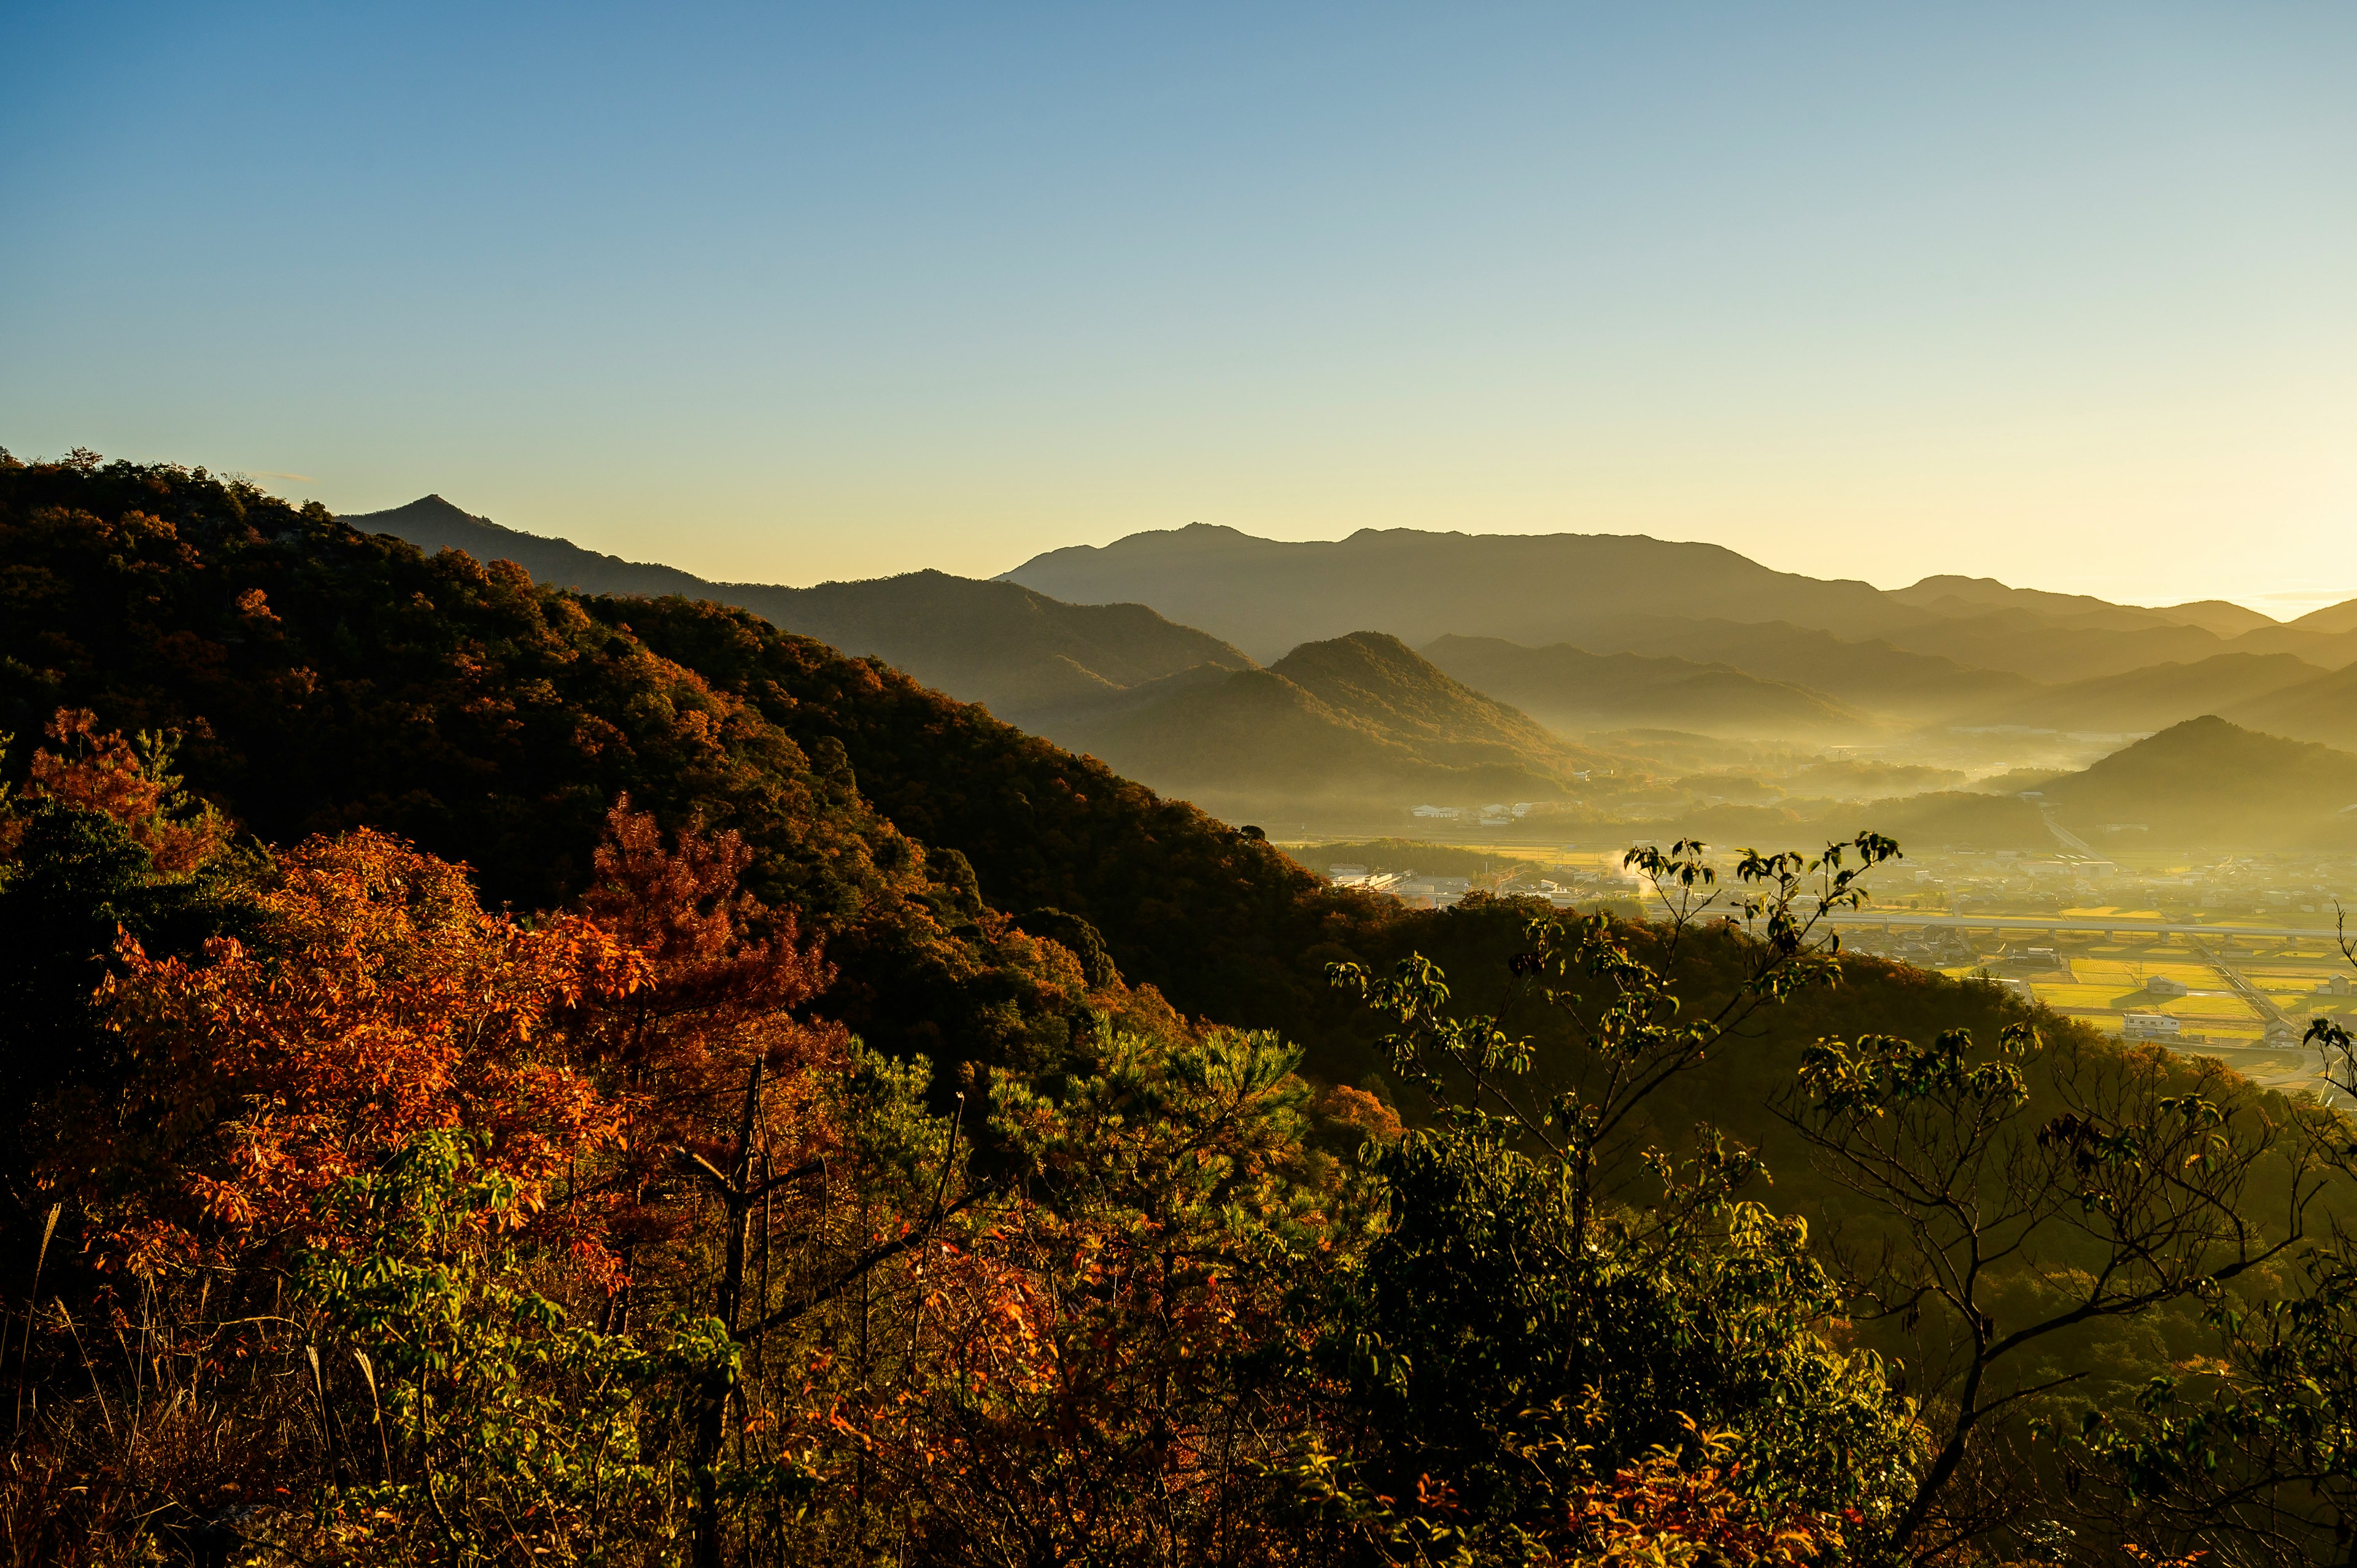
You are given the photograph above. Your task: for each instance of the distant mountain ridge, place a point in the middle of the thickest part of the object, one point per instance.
(1968, 593)
(1358, 713)
(1575, 690)
(1267, 594)
(1020, 654)
(1602, 593)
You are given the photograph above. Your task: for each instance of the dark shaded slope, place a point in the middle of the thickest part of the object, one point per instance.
(329, 678)
(1022, 653)
(432, 523)
(1572, 689)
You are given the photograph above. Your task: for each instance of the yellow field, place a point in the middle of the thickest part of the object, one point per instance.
(2225, 1009)
(2105, 997)
(2125, 975)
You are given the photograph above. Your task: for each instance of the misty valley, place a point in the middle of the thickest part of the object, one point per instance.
(1423, 1048)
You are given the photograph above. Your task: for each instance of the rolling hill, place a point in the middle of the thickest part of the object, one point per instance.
(2206, 782)
(1358, 721)
(1382, 682)
(1571, 688)
(1870, 675)
(2160, 695)
(2322, 709)
(1020, 653)
(2331, 619)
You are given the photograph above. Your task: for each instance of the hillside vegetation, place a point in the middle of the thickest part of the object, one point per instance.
(500, 1074)
(323, 678)
(1028, 658)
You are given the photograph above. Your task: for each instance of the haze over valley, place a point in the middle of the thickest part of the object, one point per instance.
(1589, 679)
(1261, 786)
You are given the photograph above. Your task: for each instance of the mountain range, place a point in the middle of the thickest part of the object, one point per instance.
(1355, 722)
(1149, 652)
(1018, 652)
(1573, 690)
(1265, 594)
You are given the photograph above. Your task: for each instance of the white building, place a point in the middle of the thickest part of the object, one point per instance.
(1431, 892)
(2149, 1026)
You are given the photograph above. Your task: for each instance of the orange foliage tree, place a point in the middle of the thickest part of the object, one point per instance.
(383, 1002)
(129, 781)
(725, 984)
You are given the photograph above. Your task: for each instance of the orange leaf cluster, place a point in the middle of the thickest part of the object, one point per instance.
(387, 1002)
(106, 773)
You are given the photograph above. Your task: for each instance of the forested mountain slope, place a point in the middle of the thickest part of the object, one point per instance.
(479, 1154)
(1023, 654)
(326, 678)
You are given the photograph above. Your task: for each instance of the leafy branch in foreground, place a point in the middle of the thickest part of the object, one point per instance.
(1610, 984)
(2129, 1180)
(1521, 1341)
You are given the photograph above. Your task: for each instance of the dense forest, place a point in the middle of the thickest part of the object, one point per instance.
(500, 1074)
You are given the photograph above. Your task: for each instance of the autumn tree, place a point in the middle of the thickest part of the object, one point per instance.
(379, 999)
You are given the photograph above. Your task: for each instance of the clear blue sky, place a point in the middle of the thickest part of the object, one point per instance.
(2063, 294)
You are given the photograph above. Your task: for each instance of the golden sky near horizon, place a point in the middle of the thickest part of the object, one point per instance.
(2066, 297)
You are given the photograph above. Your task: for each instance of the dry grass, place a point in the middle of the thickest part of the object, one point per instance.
(162, 1437)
